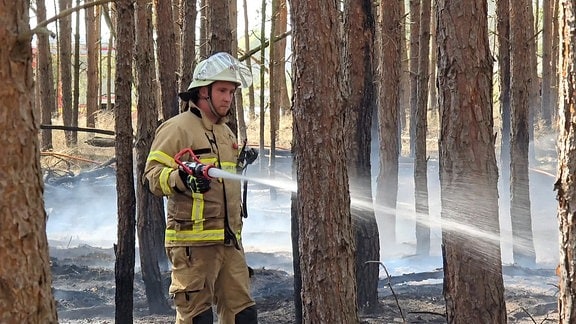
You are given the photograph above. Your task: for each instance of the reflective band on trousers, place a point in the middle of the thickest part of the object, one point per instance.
(196, 236)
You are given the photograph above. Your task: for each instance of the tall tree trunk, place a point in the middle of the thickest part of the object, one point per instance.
(26, 295)
(421, 123)
(327, 251)
(204, 48)
(167, 65)
(76, 72)
(281, 18)
(65, 40)
(521, 85)
(109, 103)
(405, 77)
(565, 182)
(388, 103)
(262, 112)
(188, 48)
(93, 57)
(274, 95)
(45, 79)
(547, 53)
(468, 170)
(251, 102)
(150, 209)
(503, 32)
(125, 254)
(360, 29)
(413, 65)
(555, 84)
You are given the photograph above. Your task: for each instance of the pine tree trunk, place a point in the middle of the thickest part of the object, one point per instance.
(360, 28)
(45, 80)
(326, 239)
(473, 285)
(125, 254)
(521, 90)
(421, 123)
(151, 222)
(565, 183)
(25, 279)
(389, 96)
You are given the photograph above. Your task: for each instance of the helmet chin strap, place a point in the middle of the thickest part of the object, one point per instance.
(213, 110)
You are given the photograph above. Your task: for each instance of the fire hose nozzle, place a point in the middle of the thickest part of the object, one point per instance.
(197, 169)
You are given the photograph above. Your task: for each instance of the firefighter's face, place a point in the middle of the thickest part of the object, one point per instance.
(222, 96)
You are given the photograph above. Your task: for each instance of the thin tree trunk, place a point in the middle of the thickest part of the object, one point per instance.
(547, 63)
(150, 209)
(251, 101)
(93, 57)
(188, 48)
(521, 83)
(45, 79)
(413, 65)
(66, 70)
(167, 65)
(262, 112)
(389, 101)
(76, 86)
(125, 254)
(421, 123)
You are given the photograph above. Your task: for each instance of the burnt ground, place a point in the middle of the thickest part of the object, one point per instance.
(83, 282)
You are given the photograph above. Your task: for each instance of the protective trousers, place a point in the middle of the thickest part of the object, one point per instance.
(211, 274)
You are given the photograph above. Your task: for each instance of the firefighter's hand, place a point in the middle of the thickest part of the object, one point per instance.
(195, 184)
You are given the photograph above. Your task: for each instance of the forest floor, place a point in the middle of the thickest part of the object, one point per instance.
(84, 284)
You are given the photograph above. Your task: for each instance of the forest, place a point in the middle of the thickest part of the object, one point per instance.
(351, 91)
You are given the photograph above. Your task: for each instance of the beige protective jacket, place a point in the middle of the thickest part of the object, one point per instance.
(196, 219)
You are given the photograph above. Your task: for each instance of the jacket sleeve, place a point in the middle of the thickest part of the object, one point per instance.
(161, 169)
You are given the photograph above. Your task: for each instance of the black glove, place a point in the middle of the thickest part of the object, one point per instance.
(195, 184)
(247, 156)
(251, 155)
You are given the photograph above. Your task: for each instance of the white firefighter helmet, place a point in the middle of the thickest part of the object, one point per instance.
(221, 67)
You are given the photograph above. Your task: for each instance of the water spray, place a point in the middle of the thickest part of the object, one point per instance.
(210, 171)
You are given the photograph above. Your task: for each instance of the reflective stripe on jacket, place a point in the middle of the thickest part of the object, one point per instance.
(193, 218)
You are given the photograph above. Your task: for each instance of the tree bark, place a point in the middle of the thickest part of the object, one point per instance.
(65, 41)
(413, 65)
(389, 101)
(327, 251)
(421, 123)
(565, 182)
(360, 30)
(521, 90)
(45, 80)
(25, 279)
(151, 222)
(126, 201)
(93, 57)
(547, 53)
(468, 171)
(167, 65)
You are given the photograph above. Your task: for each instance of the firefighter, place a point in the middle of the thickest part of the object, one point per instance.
(204, 221)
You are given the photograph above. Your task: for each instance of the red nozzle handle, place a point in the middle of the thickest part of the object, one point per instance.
(188, 150)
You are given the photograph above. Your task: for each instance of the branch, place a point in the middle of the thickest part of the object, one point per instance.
(78, 129)
(266, 43)
(28, 35)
